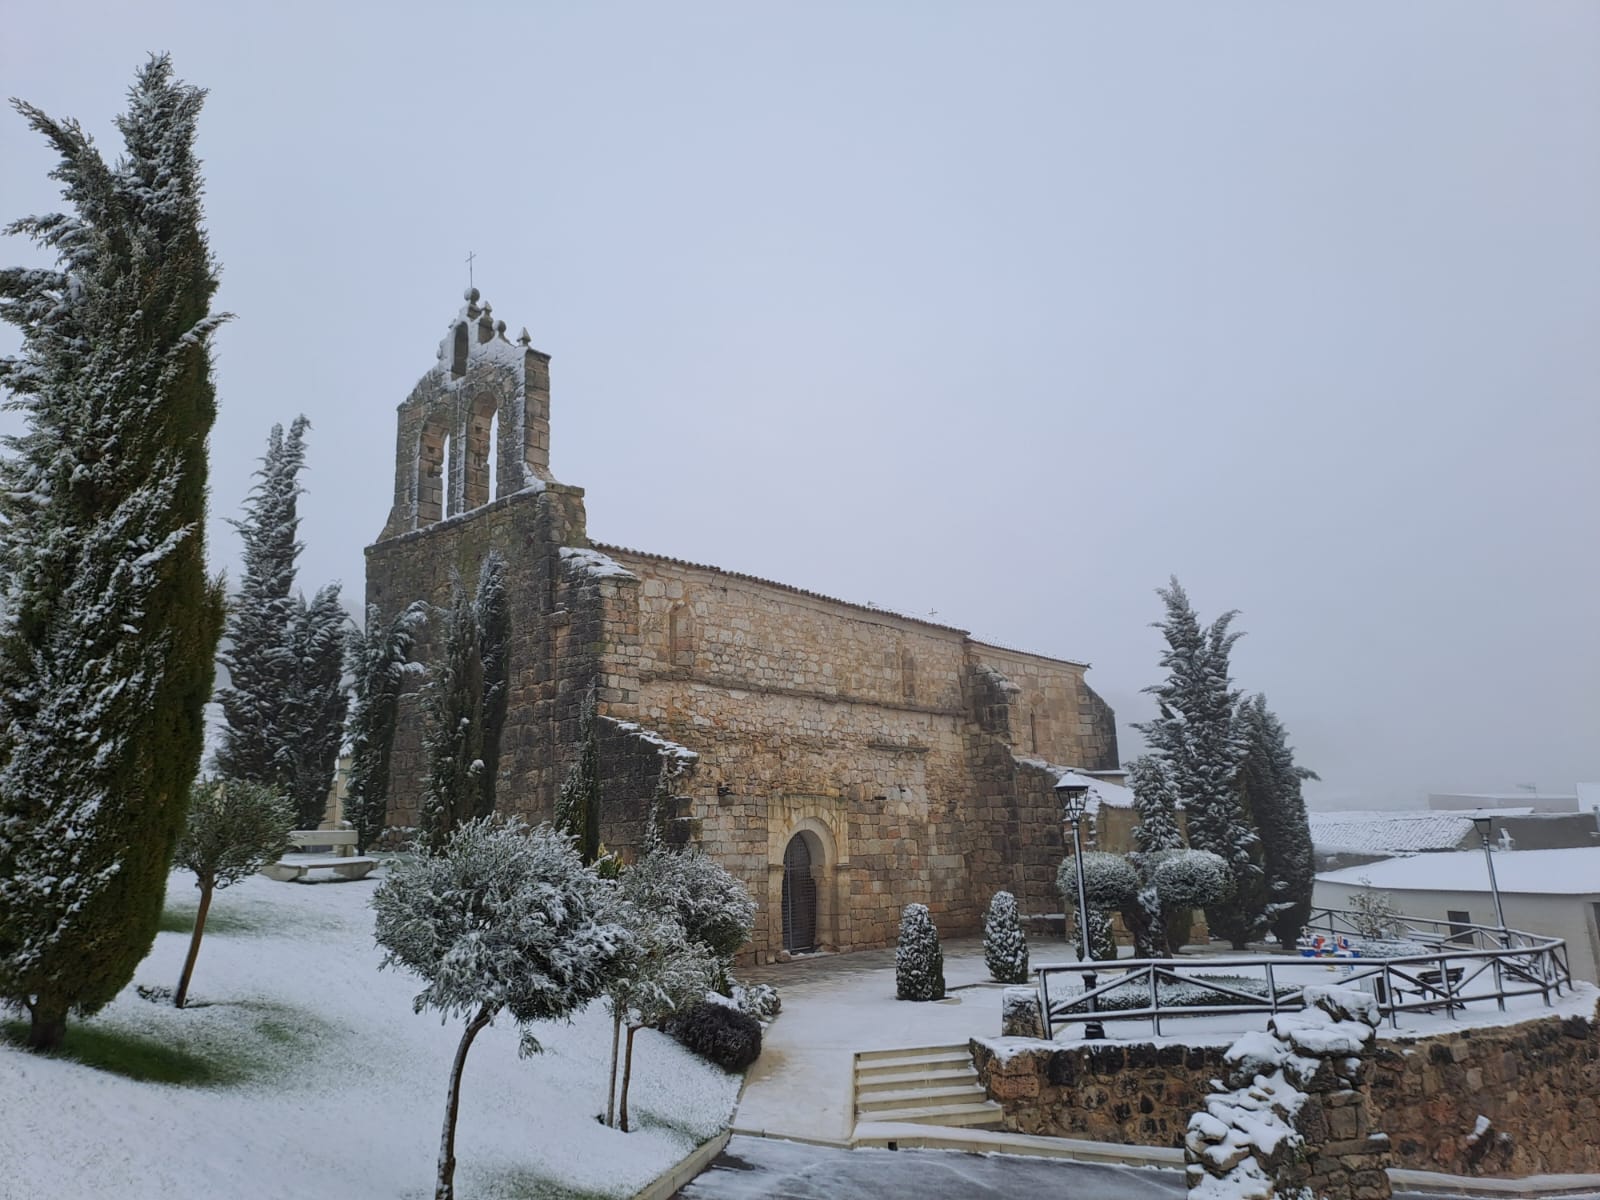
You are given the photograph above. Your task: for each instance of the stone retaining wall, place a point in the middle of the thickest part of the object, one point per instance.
(1537, 1083)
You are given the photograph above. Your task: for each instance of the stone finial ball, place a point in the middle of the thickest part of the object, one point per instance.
(470, 295)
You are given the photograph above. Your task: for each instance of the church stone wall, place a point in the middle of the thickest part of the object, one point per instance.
(889, 744)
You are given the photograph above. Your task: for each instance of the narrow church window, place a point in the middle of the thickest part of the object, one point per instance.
(908, 675)
(446, 500)
(1033, 733)
(494, 454)
(680, 637)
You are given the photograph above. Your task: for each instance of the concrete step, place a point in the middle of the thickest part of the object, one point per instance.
(923, 1061)
(928, 1097)
(895, 1081)
(979, 1113)
(873, 1056)
(994, 1141)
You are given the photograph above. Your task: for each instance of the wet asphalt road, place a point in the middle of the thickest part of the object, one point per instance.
(765, 1169)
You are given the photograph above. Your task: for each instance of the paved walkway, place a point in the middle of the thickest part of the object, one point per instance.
(802, 1086)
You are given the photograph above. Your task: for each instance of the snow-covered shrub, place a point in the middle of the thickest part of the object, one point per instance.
(720, 1034)
(1373, 913)
(1109, 881)
(713, 906)
(233, 829)
(760, 1000)
(1102, 938)
(918, 959)
(1189, 878)
(501, 918)
(1005, 949)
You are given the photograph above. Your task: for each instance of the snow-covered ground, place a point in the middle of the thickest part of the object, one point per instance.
(345, 1086)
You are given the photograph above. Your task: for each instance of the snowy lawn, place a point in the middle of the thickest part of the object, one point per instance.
(307, 1074)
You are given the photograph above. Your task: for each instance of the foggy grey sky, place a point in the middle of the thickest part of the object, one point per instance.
(999, 311)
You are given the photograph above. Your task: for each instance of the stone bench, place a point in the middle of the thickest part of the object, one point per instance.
(346, 866)
(343, 841)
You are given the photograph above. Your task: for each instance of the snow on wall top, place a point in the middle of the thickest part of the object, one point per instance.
(1571, 872)
(594, 563)
(682, 756)
(1101, 791)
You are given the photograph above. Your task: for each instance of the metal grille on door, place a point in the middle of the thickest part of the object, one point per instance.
(799, 898)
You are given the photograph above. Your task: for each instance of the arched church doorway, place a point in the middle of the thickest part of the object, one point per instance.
(799, 898)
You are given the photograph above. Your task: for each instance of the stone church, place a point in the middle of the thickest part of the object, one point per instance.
(842, 760)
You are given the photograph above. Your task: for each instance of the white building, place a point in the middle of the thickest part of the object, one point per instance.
(1551, 892)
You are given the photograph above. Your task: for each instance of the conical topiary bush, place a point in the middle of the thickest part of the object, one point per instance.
(918, 961)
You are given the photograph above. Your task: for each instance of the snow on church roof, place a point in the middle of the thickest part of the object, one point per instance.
(1571, 872)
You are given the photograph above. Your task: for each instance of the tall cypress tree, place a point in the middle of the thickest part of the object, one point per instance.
(311, 717)
(379, 659)
(578, 805)
(260, 670)
(108, 623)
(1195, 739)
(465, 703)
(1157, 806)
(285, 704)
(1271, 787)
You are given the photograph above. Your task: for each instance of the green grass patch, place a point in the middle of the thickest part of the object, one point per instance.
(527, 1185)
(227, 1056)
(134, 1056)
(222, 919)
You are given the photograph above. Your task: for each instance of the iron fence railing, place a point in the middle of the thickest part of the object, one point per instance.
(1421, 965)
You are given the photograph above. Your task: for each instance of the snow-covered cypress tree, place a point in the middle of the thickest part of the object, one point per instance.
(1005, 949)
(918, 958)
(465, 704)
(1156, 804)
(1195, 739)
(259, 661)
(578, 805)
(379, 660)
(1271, 783)
(311, 717)
(108, 623)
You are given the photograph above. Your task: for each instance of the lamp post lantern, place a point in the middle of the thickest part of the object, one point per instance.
(1074, 794)
(1481, 822)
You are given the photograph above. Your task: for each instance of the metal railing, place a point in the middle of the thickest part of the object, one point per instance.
(1427, 966)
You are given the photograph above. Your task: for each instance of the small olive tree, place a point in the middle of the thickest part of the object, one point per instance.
(234, 829)
(501, 918)
(713, 905)
(659, 973)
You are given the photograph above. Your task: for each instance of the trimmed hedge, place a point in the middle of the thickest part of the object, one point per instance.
(719, 1033)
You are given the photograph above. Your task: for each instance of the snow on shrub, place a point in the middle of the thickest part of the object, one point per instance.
(1109, 881)
(1005, 949)
(760, 1000)
(1189, 878)
(712, 905)
(918, 960)
(719, 1033)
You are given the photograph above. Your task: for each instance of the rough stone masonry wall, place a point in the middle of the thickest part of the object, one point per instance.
(1537, 1082)
(857, 727)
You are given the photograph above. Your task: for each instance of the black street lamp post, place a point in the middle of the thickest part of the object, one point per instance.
(1074, 794)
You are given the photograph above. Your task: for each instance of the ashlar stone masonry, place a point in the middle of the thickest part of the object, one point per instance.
(844, 761)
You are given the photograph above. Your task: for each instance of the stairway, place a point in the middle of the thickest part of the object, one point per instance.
(927, 1085)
